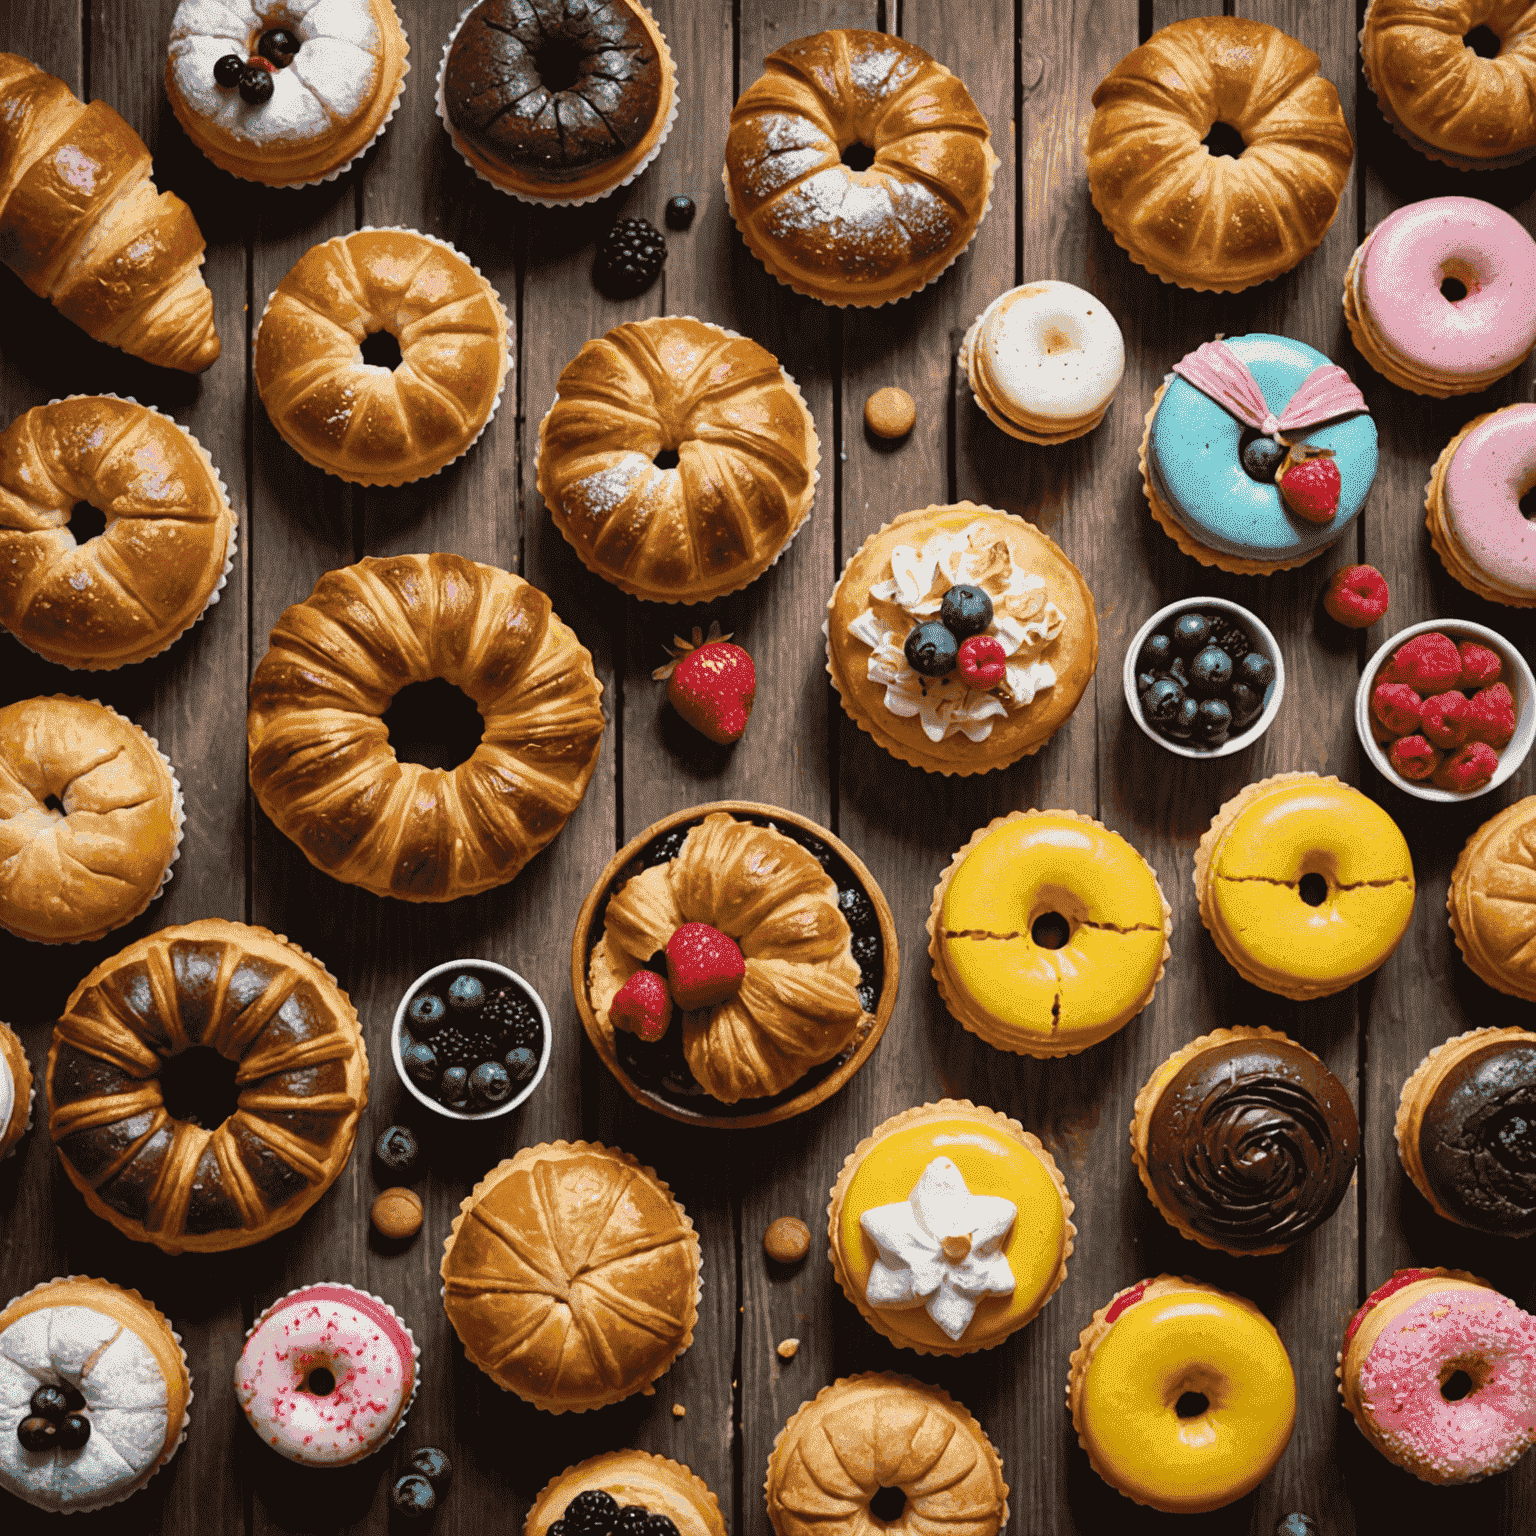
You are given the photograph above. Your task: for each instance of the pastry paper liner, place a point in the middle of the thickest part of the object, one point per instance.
(346, 165)
(525, 1157)
(939, 1108)
(179, 813)
(85, 1506)
(506, 349)
(954, 1004)
(683, 599)
(405, 1408)
(683, 1474)
(549, 200)
(1459, 875)
(26, 1067)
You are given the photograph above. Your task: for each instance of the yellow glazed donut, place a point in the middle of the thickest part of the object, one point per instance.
(998, 1221)
(1139, 1372)
(999, 915)
(1305, 884)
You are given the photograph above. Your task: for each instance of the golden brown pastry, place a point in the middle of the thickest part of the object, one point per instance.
(632, 1478)
(1218, 221)
(90, 820)
(678, 459)
(16, 1091)
(82, 224)
(150, 574)
(366, 423)
(1446, 100)
(572, 1276)
(848, 236)
(320, 759)
(302, 1080)
(1492, 900)
(798, 1002)
(880, 1430)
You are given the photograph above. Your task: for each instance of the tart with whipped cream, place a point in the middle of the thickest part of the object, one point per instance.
(950, 1228)
(285, 92)
(961, 638)
(15, 1091)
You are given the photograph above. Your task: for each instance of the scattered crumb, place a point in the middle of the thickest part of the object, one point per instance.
(788, 1348)
(678, 1411)
(787, 1240)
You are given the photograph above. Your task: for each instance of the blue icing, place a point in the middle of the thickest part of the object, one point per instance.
(1193, 448)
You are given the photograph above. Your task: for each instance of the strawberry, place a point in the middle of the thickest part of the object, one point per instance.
(982, 662)
(711, 684)
(1491, 716)
(642, 1006)
(1468, 767)
(1357, 596)
(1397, 706)
(1309, 483)
(1444, 719)
(1429, 663)
(1479, 666)
(704, 966)
(1413, 757)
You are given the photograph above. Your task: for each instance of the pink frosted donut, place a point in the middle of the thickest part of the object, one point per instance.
(1439, 1370)
(327, 1375)
(1488, 474)
(1437, 344)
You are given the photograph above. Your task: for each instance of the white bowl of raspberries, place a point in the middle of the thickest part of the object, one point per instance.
(1446, 710)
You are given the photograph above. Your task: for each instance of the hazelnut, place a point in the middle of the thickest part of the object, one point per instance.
(787, 1240)
(890, 412)
(787, 1348)
(397, 1213)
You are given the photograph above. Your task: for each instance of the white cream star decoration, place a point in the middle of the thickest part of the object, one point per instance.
(940, 1248)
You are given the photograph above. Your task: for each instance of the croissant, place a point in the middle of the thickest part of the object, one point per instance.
(82, 224)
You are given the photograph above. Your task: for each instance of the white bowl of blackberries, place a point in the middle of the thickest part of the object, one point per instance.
(471, 1039)
(1204, 677)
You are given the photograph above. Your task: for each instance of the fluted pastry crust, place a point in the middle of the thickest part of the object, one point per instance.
(1492, 900)
(320, 759)
(302, 1080)
(660, 1485)
(572, 1276)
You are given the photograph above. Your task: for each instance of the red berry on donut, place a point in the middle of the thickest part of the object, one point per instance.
(1479, 666)
(704, 966)
(1413, 757)
(982, 662)
(1468, 768)
(1357, 596)
(1309, 483)
(1444, 718)
(1428, 663)
(1491, 716)
(642, 1006)
(1398, 707)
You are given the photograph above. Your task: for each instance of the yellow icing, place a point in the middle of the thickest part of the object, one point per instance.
(1093, 878)
(1182, 1340)
(992, 1163)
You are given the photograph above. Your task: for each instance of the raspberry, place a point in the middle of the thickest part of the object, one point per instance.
(1444, 719)
(1491, 716)
(1413, 757)
(1479, 666)
(1468, 768)
(1357, 596)
(1397, 706)
(1429, 663)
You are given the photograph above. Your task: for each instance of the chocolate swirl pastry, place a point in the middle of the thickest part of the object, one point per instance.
(1253, 1143)
(553, 88)
(1477, 1140)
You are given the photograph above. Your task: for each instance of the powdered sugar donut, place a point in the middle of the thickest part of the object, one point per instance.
(1439, 1371)
(327, 1374)
(312, 84)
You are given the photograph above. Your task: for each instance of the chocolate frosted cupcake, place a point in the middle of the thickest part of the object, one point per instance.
(1245, 1141)
(555, 102)
(1466, 1130)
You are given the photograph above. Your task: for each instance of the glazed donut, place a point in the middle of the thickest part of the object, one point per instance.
(1402, 1350)
(1139, 1373)
(1472, 506)
(1305, 884)
(1398, 296)
(1044, 361)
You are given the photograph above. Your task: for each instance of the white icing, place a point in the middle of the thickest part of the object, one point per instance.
(7, 1096)
(1023, 623)
(1053, 352)
(941, 1249)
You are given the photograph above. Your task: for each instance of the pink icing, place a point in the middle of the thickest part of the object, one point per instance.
(1216, 370)
(1410, 254)
(359, 1341)
(1488, 474)
(1477, 1331)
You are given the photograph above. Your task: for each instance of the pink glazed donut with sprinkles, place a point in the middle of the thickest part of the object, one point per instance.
(1441, 296)
(327, 1375)
(1439, 1370)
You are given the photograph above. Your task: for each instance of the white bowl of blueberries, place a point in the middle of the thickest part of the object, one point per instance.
(1204, 677)
(471, 1039)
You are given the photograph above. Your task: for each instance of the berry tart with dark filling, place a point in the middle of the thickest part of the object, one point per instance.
(626, 1493)
(555, 102)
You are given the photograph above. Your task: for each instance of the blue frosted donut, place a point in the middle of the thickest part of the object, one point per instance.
(1195, 465)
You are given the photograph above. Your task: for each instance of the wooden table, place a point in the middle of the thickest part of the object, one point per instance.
(1032, 66)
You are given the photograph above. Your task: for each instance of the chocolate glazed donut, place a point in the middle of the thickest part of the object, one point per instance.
(553, 87)
(1477, 1140)
(1253, 1143)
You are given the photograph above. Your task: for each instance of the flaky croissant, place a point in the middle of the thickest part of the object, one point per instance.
(82, 224)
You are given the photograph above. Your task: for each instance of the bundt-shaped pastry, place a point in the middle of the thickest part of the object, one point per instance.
(798, 1002)
(1217, 221)
(572, 1276)
(678, 459)
(320, 759)
(301, 1075)
(148, 576)
(880, 1430)
(848, 236)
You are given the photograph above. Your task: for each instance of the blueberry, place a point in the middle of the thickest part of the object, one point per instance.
(74, 1432)
(413, 1496)
(521, 1064)
(466, 992)
(1191, 633)
(420, 1062)
(38, 1434)
(398, 1151)
(1179, 671)
(426, 1012)
(1245, 703)
(965, 611)
(49, 1402)
(868, 997)
(255, 85)
(278, 45)
(1210, 671)
(1182, 725)
(1160, 703)
(1144, 680)
(430, 1463)
(490, 1083)
(226, 70)
(1256, 670)
(1261, 458)
(1156, 653)
(931, 650)
(680, 212)
(455, 1085)
(1213, 720)
(1296, 1525)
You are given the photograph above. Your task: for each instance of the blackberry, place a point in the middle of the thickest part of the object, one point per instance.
(868, 997)
(509, 1020)
(633, 1520)
(1230, 636)
(591, 1513)
(667, 848)
(866, 950)
(659, 1525)
(461, 1045)
(557, 1529)
(629, 258)
(857, 909)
